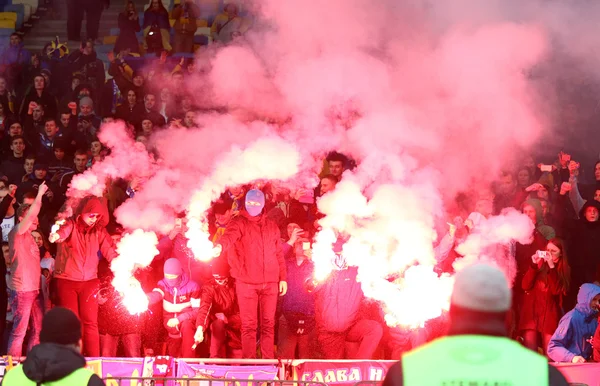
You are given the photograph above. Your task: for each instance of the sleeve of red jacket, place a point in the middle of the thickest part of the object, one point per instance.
(107, 247)
(232, 234)
(192, 314)
(280, 257)
(208, 294)
(65, 230)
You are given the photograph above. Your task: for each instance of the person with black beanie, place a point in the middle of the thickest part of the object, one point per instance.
(57, 359)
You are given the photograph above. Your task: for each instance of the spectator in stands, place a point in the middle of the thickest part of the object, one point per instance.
(156, 28)
(219, 310)
(226, 24)
(339, 320)
(29, 164)
(544, 287)
(7, 96)
(34, 123)
(479, 308)
(13, 128)
(87, 111)
(68, 121)
(181, 301)
(40, 96)
(59, 165)
(126, 110)
(260, 276)
(85, 61)
(14, 58)
(507, 194)
(5, 118)
(80, 161)
(297, 322)
(24, 279)
(57, 359)
(12, 167)
(46, 140)
(185, 14)
(149, 110)
(40, 175)
(572, 340)
(147, 127)
(129, 24)
(337, 164)
(79, 240)
(7, 208)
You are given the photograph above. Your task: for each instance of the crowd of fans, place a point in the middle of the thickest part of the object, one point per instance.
(52, 105)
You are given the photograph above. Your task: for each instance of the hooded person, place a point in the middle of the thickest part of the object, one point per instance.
(477, 349)
(535, 204)
(259, 268)
(220, 311)
(572, 339)
(57, 359)
(78, 240)
(180, 297)
(582, 237)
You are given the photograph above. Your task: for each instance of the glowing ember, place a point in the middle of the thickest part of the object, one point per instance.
(322, 254)
(57, 225)
(136, 250)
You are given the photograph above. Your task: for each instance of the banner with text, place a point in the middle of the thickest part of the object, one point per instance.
(231, 373)
(338, 373)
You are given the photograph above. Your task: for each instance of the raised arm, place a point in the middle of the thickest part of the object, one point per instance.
(34, 210)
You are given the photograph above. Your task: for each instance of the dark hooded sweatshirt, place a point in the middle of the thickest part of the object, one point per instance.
(49, 362)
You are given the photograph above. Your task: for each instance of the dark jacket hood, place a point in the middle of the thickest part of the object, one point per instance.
(587, 204)
(586, 293)
(49, 362)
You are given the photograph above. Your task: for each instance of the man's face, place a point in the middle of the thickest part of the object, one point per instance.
(106, 120)
(131, 97)
(543, 194)
(50, 128)
(138, 81)
(595, 303)
(597, 195)
(149, 101)
(591, 214)
(65, 119)
(147, 127)
(544, 204)
(18, 146)
(506, 184)
(15, 129)
(38, 114)
(90, 218)
(40, 174)
(327, 185)
(88, 48)
(523, 178)
(38, 239)
(74, 83)
(529, 211)
(59, 154)
(190, 119)
(186, 103)
(336, 168)
(38, 82)
(80, 162)
(29, 165)
(15, 40)
(597, 172)
(86, 109)
(95, 148)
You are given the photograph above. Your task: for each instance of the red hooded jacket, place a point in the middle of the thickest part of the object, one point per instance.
(255, 243)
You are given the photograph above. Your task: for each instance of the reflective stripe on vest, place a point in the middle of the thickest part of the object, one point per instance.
(474, 360)
(16, 377)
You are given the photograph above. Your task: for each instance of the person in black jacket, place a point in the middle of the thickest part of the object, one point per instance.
(57, 359)
(86, 62)
(129, 24)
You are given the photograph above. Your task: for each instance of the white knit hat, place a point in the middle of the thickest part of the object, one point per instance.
(481, 287)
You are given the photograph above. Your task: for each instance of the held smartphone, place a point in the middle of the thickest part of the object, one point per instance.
(546, 168)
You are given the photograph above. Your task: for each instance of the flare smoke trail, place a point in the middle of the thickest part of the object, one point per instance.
(423, 99)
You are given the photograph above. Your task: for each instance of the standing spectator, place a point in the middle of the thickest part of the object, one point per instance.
(479, 308)
(14, 58)
(57, 359)
(148, 110)
(59, 165)
(220, 310)
(129, 24)
(180, 297)
(40, 96)
(297, 321)
(86, 62)
(507, 193)
(338, 303)
(24, 279)
(258, 266)
(46, 140)
(80, 161)
(226, 24)
(79, 240)
(337, 164)
(544, 289)
(12, 167)
(185, 16)
(126, 110)
(571, 342)
(93, 11)
(156, 28)
(7, 209)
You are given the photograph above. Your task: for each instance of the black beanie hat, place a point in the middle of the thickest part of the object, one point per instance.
(60, 326)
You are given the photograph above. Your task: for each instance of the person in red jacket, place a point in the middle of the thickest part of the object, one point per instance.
(76, 271)
(258, 266)
(220, 310)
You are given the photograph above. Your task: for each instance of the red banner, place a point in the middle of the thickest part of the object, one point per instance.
(338, 373)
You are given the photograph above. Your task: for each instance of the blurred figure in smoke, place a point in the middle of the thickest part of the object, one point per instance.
(297, 321)
(337, 164)
(259, 269)
(180, 297)
(507, 193)
(478, 310)
(339, 315)
(223, 214)
(76, 277)
(220, 310)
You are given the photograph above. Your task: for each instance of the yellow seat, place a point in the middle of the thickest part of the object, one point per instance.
(8, 16)
(109, 39)
(8, 24)
(201, 23)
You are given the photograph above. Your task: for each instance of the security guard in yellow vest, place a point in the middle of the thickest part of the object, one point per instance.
(477, 351)
(57, 360)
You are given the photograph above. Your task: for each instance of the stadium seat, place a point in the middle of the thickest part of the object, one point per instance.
(8, 24)
(19, 9)
(112, 39)
(33, 3)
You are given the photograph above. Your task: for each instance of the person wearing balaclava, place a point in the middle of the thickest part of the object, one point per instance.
(258, 267)
(76, 272)
(220, 310)
(180, 297)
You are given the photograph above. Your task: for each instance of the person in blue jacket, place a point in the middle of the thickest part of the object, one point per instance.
(571, 340)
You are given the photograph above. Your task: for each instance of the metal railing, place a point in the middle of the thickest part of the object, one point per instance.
(172, 381)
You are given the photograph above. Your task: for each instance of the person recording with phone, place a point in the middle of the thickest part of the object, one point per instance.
(545, 283)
